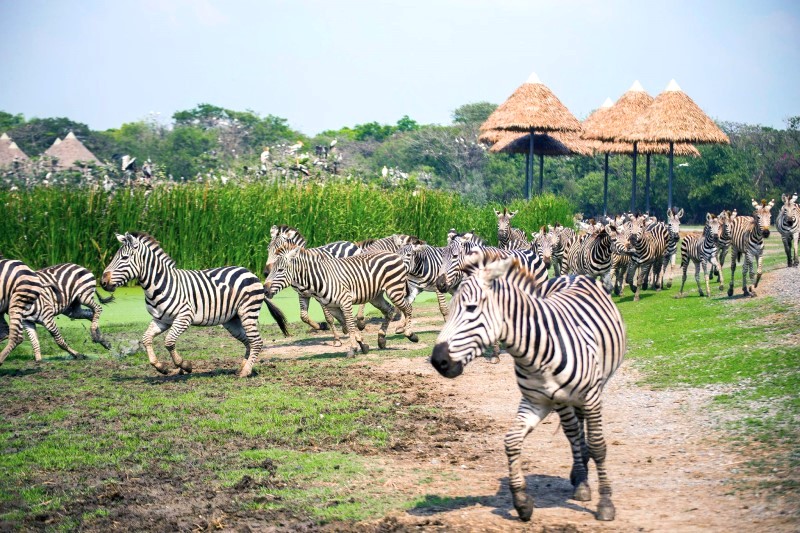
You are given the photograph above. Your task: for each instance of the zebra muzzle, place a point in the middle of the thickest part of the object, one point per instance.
(441, 284)
(106, 282)
(442, 362)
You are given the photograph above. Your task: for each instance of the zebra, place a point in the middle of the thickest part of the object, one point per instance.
(64, 288)
(566, 238)
(20, 286)
(673, 224)
(591, 255)
(747, 237)
(724, 244)
(567, 338)
(509, 238)
(648, 248)
(469, 236)
(424, 263)
(283, 234)
(620, 253)
(543, 242)
(788, 224)
(340, 283)
(701, 249)
(176, 299)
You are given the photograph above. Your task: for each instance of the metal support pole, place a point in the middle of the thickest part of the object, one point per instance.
(669, 186)
(605, 188)
(529, 169)
(633, 183)
(647, 187)
(541, 173)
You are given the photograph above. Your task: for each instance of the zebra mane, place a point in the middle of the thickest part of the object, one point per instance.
(481, 258)
(152, 242)
(365, 243)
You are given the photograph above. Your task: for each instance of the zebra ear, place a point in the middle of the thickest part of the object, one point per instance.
(755, 204)
(273, 231)
(709, 217)
(785, 198)
(495, 269)
(292, 253)
(496, 212)
(511, 214)
(771, 203)
(680, 213)
(291, 233)
(122, 238)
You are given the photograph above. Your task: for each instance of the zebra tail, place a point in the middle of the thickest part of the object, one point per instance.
(104, 300)
(278, 316)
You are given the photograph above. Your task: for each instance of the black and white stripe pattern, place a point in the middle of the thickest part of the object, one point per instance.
(591, 256)
(509, 238)
(341, 283)
(543, 243)
(20, 286)
(788, 224)
(424, 262)
(648, 247)
(176, 299)
(567, 338)
(566, 238)
(701, 249)
(747, 237)
(65, 288)
(282, 235)
(673, 224)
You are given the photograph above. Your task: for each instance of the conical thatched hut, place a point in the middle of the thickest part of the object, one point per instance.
(532, 108)
(9, 151)
(69, 152)
(673, 117)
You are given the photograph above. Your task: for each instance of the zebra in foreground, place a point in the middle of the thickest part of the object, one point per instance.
(341, 283)
(64, 288)
(788, 224)
(20, 286)
(701, 249)
(747, 237)
(176, 299)
(567, 339)
(284, 234)
(509, 238)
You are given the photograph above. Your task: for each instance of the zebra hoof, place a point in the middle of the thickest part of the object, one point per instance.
(523, 504)
(582, 493)
(364, 348)
(678, 296)
(78, 356)
(494, 359)
(186, 366)
(752, 293)
(397, 316)
(702, 294)
(361, 324)
(337, 343)
(730, 291)
(323, 326)
(413, 337)
(245, 373)
(104, 343)
(161, 368)
(669, 284)
(605, 510)
(722, 287)
(351, 353)
(381, 342)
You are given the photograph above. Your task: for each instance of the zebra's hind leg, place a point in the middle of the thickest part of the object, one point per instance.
(356, 340)
(180, 325)
(153, 330)
(304, 316)
(597, 451)
(337, 341)
(30, 331)
(705, 277)
(49, 323)
(407, 310)
(3, 327)
(733, 273)
(528, 417)
(572, 424)
(388, 310)
(250, 327)
(697, 278)
(684, 268)
(88, 301)
(234, 327)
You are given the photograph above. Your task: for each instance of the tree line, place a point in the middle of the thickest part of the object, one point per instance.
(208, 141)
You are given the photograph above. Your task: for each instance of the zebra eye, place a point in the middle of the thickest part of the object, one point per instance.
(471, 308)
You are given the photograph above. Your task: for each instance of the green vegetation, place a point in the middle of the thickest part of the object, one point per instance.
(204, 225)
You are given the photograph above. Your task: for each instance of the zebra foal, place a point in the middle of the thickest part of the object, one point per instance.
(176, 299)
(567, 339)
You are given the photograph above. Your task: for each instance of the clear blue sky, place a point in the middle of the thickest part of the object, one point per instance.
(327, 64)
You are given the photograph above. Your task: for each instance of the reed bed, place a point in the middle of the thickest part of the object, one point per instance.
(205, 225)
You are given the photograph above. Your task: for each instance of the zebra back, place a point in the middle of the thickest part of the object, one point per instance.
(61, 285)
(392, 243)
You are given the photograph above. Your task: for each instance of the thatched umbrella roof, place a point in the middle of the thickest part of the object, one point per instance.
(533, 106)
(553, 143)
(9, 151)
(623, 148)
(70, 151)
(614, 122)
(674, 117)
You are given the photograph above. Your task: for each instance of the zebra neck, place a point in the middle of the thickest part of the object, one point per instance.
(521, 331)
(155, 275)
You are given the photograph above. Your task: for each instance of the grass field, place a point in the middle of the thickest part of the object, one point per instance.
(82, 443)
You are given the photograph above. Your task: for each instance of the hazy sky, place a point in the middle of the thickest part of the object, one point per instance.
(327, 64)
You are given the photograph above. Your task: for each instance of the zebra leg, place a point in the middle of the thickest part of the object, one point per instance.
(697, 277)
(250, 327)
(528, 416)
(304, 314)
(356, 340)
(234, 327)
(671, 264)
(329, 319)
(95, 317)
(795, 239)
(30, 331)
(360, 322)
(715, 264)
(14, 330)
(3, 327)
(759, 270)
(733, 272)
(788, 249)
(607, 282)
(572, 425)
(407, 311)
(387, 310)
(643, 272)
(704, 264)
(180, 325)
(443, 307)
(631, 278)
(153, 330)
(597, 451)
(684, 268)
(49, 323)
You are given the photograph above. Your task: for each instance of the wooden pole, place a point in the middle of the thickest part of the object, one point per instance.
(647, 187)
(541, 173)
(529, 169)
(605, 188)
(669, 186)
(633, 183)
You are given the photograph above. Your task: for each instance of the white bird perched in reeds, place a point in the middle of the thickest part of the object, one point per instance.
(333, 143)
(265, 155)
(295, 147)
(127, 162)
(384, 171)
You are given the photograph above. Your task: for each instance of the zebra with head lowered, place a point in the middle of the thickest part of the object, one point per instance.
(567, 339)
(284, 234)
(64, 288)
(176, 299)
(747, 237)
(20, 286)
(341, 283)
(509, 238)
(788, 224)
(701, 249)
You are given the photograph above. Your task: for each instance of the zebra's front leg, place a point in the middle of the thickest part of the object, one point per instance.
(597, 451)
(329, 318)
(528, 416)
(96, 308)
(759, 270)
(181, 324)
(356, 340)
(250, 327)
(153, 330)
(715, 264)
(572, 425)
(304, 316)
(705, 277)
(733, 273)
(443, 307)
(387, 310)
(406, 310)
(671, 271)
(49, 323)
(360, 322)
(787, 248)
(30, 331)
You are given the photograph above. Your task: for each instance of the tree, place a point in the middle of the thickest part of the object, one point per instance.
(475, 113)
(9, 121)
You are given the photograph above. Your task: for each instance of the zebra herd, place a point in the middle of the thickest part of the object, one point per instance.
(565, 334)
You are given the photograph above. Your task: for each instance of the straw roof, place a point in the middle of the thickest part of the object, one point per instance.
(553, 143)
(616, 121)
(69, 152)
(612, 147)
(674, 117)
(532, 107)
(9, 151)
